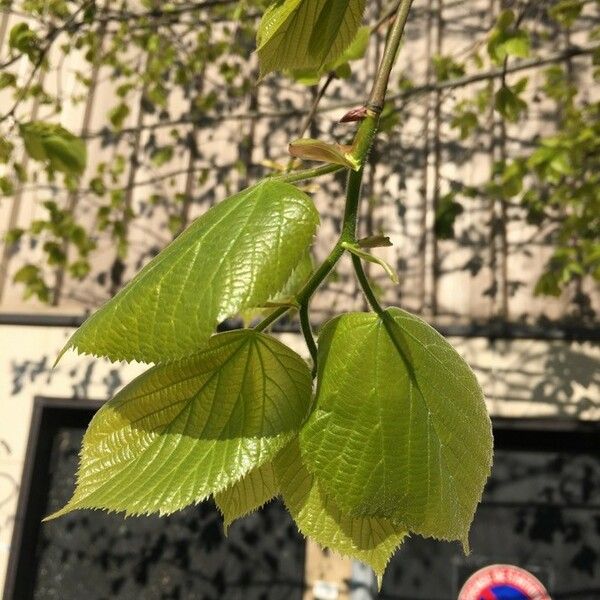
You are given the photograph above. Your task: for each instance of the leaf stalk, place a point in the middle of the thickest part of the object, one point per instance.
(360, 151)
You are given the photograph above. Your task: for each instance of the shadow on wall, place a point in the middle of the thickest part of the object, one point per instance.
(80, 378)
(558, 376)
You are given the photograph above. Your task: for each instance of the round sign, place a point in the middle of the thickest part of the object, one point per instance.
(503, 582)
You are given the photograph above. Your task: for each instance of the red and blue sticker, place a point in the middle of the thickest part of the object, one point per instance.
(503, 582)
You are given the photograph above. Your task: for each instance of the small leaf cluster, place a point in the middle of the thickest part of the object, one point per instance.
(393, 439)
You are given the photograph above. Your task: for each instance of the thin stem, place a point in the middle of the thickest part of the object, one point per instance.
(319, 275)
(274, 316)
(307, 173)
(362, 144)
(365, 285)
(308, 336)
(382, 78)
(310, 287)
(351, 210)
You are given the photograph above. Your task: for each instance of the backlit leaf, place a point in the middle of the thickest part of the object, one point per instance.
(355, 51)
(306, 34)
(248, 494)
(191, 428)
(236, 256)
(400, 429)
(370, 540)
(509, 104)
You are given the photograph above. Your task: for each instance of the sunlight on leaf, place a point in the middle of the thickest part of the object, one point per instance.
(238, 255)
(248, 494)
(400, 428)
(191, 428)
(371, 540)
(306, 34)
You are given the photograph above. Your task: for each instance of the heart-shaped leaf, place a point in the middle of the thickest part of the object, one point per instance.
(191, 428)
(400, 429)
(370, 540)
(236, 256)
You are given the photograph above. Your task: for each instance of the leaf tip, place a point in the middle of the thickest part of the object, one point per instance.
(63, 351)
(67, 508)
(465, 545)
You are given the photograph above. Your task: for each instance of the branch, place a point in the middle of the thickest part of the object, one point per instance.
(494, 73)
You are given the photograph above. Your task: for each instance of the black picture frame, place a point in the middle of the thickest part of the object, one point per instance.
(48, 414)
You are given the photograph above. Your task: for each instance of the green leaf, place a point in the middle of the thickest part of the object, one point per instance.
(7, 187)
(6, 148)
(236, 256)
(466, 121)
(357, 48)
(297, 279)
(55, 145)
(518, 44)
(306, 34)
(446, 68)
(400, 430)
(445, 217)
(248, 494)
(24, 40)
(566, 12)
(118, 114)
(505, 41)
(309, 149)
(355, 51)
(509, 104)
(358, 251)
(7, 80)
(191, 428)
(161, 156)
(286, 295)
(375, 241)
(32, 278)
(371, 540)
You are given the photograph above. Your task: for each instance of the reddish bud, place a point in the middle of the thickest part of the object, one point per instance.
(355, 114)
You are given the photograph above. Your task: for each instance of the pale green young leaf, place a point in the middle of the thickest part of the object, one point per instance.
(306, 34)
(236, 256)
(400, 428)
(297, 279)
(248, 494)
(371, 540)
(362, 254)
(310, 149)
(191, 428)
